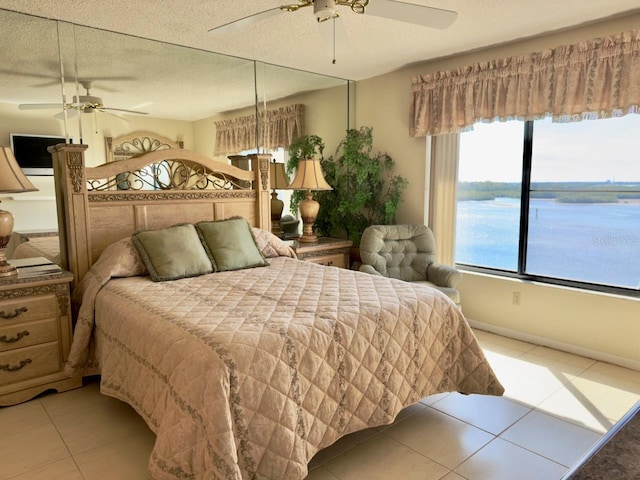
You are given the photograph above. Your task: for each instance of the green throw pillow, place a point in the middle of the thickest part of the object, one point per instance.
(172, 253)
(230, 244)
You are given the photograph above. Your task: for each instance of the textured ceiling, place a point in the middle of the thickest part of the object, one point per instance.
(374, 45)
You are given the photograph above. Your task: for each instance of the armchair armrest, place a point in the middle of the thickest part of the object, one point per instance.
(443, 275)
(369, 269)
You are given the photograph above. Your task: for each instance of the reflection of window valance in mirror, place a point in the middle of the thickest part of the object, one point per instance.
(136, 143)
(279, 129)
(595, 79)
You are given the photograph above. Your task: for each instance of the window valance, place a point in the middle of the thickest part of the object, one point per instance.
(593, 79)
(278, 128)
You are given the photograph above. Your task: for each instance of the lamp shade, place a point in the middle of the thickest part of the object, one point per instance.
(12, 180)
(309, 176)
(278, 177)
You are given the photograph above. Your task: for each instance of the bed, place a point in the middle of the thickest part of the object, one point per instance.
(247, 373)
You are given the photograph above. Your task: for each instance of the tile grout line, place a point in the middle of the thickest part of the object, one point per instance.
(73, 459)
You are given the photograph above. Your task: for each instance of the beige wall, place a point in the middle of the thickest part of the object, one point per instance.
(589, 323)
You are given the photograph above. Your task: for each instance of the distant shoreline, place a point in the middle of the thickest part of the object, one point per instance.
(632, 201)
(560, 192)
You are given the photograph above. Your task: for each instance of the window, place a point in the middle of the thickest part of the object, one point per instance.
(557, 202)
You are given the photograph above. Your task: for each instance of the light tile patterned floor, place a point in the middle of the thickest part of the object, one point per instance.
(555, 407)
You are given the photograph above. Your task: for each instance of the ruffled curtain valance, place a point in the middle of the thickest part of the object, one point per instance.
(593, 79)
(278, 128)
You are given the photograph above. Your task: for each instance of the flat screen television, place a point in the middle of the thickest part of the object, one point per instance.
(31, 152)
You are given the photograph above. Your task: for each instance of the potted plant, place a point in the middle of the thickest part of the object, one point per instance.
(306, 146)
(365, 189)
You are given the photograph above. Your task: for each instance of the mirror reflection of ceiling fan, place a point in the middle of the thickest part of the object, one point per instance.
(84, 103)
(325, 10)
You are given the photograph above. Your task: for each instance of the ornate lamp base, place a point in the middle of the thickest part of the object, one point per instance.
(277, 206)
(309, 209)
(6, 230)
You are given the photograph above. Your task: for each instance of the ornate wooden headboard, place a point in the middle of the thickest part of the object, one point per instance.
(136, 143)
(98, 206)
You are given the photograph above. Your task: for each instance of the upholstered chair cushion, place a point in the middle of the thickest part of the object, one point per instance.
(398, 251)
(407, 252)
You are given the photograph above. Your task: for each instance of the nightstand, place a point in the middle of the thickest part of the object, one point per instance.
(326, 251)
(35, 336)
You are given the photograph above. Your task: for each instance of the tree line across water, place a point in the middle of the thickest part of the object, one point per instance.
(563, 192)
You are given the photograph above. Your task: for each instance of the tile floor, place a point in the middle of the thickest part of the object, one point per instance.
(555, 407)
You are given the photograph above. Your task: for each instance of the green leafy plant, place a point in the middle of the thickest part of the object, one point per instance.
(365, 190)
(306, 146)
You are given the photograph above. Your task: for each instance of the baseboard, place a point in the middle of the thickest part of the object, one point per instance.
(565, 347)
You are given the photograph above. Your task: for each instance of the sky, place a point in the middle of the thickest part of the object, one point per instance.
(591, 150)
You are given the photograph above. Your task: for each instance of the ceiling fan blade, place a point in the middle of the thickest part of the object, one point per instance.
(38, 106)
(71, 112)
(103, 109)
(243, 22)
(411, 13)
(119, 117)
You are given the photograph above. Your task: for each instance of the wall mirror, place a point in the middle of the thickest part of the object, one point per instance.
(180, 93)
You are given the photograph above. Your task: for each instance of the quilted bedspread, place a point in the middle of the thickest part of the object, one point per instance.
(247, 374)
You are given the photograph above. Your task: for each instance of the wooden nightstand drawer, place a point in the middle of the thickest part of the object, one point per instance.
(332, 252)
(29, 362)
(28, 333)
(35, 336)
(330, 260)
(27, 309)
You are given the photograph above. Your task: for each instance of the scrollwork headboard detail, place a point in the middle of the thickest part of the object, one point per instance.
(136, 143)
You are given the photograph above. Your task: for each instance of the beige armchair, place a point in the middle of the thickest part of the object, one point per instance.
(407, 252)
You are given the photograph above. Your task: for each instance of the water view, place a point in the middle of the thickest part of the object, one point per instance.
(590, 242)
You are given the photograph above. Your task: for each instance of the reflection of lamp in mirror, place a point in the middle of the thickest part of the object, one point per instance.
(309, 177)
(278, 179)
(12, 180)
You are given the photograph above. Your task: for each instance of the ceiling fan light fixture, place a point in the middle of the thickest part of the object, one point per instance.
(87, 100)
(325, 10)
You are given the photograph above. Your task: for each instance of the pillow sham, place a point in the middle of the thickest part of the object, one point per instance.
(126, 259)
(230, 244)
(172, 253)
(270, 245)
(120, 259)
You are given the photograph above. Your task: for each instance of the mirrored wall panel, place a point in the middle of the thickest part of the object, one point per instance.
(63, 82)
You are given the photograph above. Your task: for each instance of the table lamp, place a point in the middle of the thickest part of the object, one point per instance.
(12, 180)
(278, 179)
(309, 177)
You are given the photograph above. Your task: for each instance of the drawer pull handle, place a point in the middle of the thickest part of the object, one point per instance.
(9, 368)
(18, 311)
(19, 336)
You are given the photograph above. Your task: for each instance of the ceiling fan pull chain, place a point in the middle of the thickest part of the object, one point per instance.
(334, 41)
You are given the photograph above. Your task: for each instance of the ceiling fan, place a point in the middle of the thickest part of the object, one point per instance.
(84, 103)
(325, 10)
